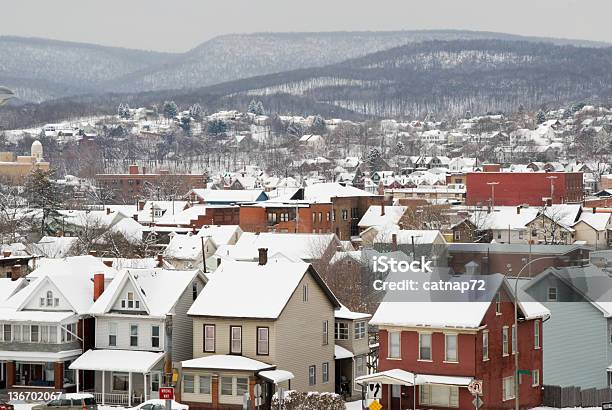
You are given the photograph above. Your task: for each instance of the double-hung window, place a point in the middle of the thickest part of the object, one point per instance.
(235, 339)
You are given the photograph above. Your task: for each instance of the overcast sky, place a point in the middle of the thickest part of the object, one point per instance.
(178, 25)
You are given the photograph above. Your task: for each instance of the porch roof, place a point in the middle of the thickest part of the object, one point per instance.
(402, 377)
(276, 376)
(28, 357)
(226, 362)
(342, 353)
(117, 360)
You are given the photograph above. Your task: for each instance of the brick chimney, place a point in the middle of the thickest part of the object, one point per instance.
(6, 254)
(108, 211)
(108, 263)
(394, 241)
(135, 217)
(98, 285)
(15, 272)
(263, 256)
(141, 204)
(382, 208)
(133, 169)
(93, 253)
(518, 210)
(160, 260)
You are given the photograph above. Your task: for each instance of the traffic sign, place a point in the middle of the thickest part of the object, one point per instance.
(374, 391)
(477, 402)
(475, 387)
(375, 405)
(166, 393)
(525, 372)
(258, 393)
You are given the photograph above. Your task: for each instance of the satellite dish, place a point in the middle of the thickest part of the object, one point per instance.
(5, 94)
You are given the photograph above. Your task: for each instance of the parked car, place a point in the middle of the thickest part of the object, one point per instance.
(6, 406)
(158, 404)
(70, 401)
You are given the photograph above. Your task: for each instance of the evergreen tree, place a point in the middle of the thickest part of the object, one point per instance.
(318, 125)
(374, 158)
(42, 193)
(540, 117)
(259, 108)
(400, 148)
(216, 127)
(185, 123)
(252, 107)
(170, 109)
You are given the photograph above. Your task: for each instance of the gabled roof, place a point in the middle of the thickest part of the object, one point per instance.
(84, 265)
(9, 287)
(372, 217)
(597, 221)
(220, 234)
(158, 289)
(230, 195)
(294, 246)
(185, 247)
(250, 290)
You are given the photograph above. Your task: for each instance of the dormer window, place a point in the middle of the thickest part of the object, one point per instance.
(130, 302)
(49, 298)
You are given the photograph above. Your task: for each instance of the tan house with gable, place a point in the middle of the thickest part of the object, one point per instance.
(269, 323)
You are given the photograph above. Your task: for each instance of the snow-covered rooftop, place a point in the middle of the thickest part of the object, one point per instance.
(226, 362)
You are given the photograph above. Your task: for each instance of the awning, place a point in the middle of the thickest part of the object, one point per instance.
(276, 376)
(402, 377)
(226, 362)
(394, 376)
(117, 360)
(30, 357)
(342, 353)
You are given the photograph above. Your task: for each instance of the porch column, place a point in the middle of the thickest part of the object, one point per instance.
(77, 380)
(144, 380)
(252, 382)
(214, 391)
(58, 375)
(11, 374)
(103, 386)
(130, 389)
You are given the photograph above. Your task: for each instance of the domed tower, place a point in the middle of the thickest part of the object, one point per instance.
(37, 151)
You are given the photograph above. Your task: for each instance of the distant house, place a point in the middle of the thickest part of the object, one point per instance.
(189, 251)
(382, 215)
(251, 334)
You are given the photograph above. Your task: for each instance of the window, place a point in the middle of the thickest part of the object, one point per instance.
(120, 381)
(133, 335)
(457, 235)
(536, 334)
(438, 395)
(42, 301)
(130, 300)
(508, 388)
(194, 290)
(325, 333)
(263, 340)
(209, 338)
(155, 381)
(513, 339)
(360, 330)
(451, 348)
(227, 386)
(552, 294)
(325, 372)
(25, 333)
(498, 304)
(344, 214)
(205, 383)
(112, 334)
(320, 216)
(68, 332)
(505, 341)
(235, 340)
(53, 334)
(242, 386)
(394, 345)
(7, 333)
(49, 298)
(341, 331)
(424, 346)
(17, 333)
(305, 292)
(188, 383)
(485, 345)
(360, 367)
(34, 332)
(535, 378)
(154, 336)
(312, 375)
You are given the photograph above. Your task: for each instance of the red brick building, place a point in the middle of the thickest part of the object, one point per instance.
(518, 188)
(138, 184)
(446, 345)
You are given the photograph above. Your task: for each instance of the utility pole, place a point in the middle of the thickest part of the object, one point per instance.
(492, 185)
(552, 188)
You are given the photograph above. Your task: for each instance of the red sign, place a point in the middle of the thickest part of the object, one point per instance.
(166, 393)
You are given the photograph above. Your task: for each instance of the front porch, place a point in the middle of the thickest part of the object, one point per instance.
(122, 378)
(37, 370)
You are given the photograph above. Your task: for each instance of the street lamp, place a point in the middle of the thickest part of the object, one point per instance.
(515, 339)
(492, 185)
